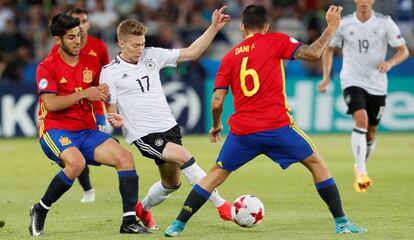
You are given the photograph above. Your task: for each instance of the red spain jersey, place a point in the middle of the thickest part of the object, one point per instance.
(97, 48)
(53, 75)
(255, 72)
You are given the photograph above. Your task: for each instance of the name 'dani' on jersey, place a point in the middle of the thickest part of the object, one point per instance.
(243, 49)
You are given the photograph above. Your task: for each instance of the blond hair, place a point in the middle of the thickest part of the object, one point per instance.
(130, 26)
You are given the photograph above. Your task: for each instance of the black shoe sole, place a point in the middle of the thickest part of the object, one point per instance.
(140, 231)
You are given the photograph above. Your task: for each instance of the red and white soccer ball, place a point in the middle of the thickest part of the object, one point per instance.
(247, 211)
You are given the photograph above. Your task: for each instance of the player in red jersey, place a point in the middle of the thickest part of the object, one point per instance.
(68, 82)
(93, 47)
(96, 48)
(261, 123)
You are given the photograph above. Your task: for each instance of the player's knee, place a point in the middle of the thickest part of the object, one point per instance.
(176, 153)
(125, 161)
(314, 161)
(361, 119)
(75, 166)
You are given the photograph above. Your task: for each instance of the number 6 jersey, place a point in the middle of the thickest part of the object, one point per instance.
(254, 70)
(137, 91)
(364, 47)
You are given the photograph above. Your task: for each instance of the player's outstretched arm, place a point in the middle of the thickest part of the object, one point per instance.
(194, 51)
(314, 51)
(217, 110)
(327, 57)
(400, 55)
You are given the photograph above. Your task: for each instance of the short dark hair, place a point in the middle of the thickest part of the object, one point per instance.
(61, 23)
(78, 11)
(254, 17)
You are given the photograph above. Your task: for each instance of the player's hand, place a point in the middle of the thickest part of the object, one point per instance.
(333, 17)
(215, 134)
(323, 85)
(104, 88)
(115, 120)
(384, 67)
(218, 19)
(95, 94)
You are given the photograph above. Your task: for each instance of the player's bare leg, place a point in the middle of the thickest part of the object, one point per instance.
(329, 193)
(359, 150)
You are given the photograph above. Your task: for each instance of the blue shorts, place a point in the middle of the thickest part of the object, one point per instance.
(284, 146)
(54, 141)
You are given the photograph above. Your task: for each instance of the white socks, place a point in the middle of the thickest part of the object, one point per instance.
(156, 195)
(359, 149)
(194, 173)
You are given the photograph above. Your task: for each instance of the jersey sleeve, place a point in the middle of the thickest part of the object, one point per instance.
(394, 37)
(284, 45)
(165, 57)
(223, 75)
(45, 80)
(105, 77)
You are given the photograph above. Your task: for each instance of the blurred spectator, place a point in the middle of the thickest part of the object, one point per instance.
(168, 11)
(13, 73)
(14, 49)
(166, 38)
(190, 15)
(33, 25)
(6, 14)
(103, 19)
(312, 14)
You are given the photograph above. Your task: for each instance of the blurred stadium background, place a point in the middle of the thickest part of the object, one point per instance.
(25, 41)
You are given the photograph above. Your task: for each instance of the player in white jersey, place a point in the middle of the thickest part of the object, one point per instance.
(138, 105)
(364, 37)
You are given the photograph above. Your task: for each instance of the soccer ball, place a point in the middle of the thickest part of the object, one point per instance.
(247, 211)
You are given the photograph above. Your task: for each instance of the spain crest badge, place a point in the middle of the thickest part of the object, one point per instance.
(87, 76)
(64, 141)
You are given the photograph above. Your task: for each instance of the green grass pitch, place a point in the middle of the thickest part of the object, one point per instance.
(293, 207)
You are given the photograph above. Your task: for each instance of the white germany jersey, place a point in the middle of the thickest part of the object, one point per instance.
(364, 47)
(137, 91)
